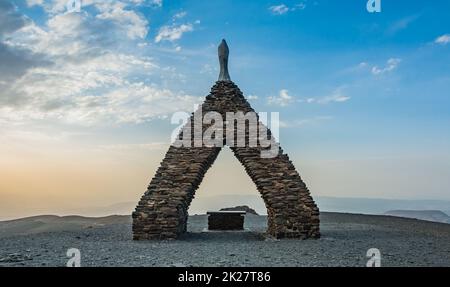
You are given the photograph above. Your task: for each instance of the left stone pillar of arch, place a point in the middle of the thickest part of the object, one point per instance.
(162, 211)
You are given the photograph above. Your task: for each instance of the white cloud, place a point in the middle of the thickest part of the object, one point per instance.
(283, 8)
(279, 9)
(173, 33)
(391, 65)
(362, 65)
(252, 97)
(135, 25)
(56, 6)
(443, 40)
(88, 78)
(66, 35)
(283, 99)
(78, 34)
(133, 103)
(337, 96)
(31, 3)
(180, 15)
(96, 91)
(125, 103)
(158, 3)
(53, 7)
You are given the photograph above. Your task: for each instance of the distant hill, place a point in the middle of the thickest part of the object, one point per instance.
(428, 215)
(378, 205)
(204, 203)
(201, 204)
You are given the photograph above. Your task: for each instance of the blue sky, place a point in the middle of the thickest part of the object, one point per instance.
(363, 97)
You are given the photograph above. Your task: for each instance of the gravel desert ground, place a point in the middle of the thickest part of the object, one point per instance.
(44, 241)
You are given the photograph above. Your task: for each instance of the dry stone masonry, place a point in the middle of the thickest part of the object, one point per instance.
(162, 212)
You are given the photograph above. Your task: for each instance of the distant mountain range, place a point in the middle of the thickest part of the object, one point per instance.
(428, 215)
(202, 204)
(379, 206)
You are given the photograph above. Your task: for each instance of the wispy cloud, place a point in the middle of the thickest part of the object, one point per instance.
(334, 98)
(60, 6)
(443, 40)
(283, 8)
(376, 70)
(173, 32)
(179, 15)
(390, 66)
(31, 3)
(86, 77)
(279, 9)
(157, 3)
(282, 99)
(401, 24)
(304, 122)
(337, 96)
(135, 24)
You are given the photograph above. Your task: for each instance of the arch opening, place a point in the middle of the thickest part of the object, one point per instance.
(226, 184)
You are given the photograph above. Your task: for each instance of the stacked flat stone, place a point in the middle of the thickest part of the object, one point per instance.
(162, 212)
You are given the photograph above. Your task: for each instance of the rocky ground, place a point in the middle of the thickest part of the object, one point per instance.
(107, 242)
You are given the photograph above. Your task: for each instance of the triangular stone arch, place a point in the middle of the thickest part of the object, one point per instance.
(162, 212)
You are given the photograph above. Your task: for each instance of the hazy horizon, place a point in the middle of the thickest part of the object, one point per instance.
(201, 205)
(86, 98)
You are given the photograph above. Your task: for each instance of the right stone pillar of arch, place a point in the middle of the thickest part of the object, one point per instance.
(291, 211)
